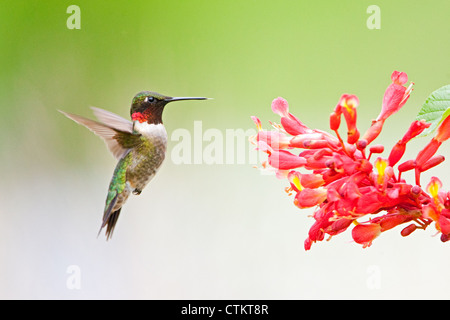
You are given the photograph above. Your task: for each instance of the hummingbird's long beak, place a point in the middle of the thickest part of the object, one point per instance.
(184, 98)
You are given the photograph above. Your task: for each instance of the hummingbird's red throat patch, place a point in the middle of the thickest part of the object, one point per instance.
(137, 116)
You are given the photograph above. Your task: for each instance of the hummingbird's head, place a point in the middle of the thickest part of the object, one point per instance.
(148, 106)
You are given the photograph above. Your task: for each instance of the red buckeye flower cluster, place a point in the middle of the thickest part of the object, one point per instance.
(338, 178)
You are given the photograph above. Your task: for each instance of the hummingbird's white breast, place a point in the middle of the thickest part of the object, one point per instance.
(156, 133)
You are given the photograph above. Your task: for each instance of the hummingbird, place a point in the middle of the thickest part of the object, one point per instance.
(139, 145)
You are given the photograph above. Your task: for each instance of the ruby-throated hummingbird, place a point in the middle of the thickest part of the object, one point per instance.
(140, 146)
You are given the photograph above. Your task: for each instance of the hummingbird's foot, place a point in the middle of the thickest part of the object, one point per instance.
(137, 192)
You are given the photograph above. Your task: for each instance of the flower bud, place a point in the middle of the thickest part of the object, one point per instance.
(361, 144)
(434, 161)
(335, 121)
(427, 152)
(407, 165)
(408, 230)
(378, 148)
(397, 153)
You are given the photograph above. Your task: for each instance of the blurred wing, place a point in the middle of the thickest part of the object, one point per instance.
(113, 120)
(117, 141)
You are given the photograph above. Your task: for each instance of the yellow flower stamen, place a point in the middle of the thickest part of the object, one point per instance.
(380, 165)
(433, 188)
(296, 182)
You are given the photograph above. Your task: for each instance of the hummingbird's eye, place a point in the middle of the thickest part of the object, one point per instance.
(150, 99)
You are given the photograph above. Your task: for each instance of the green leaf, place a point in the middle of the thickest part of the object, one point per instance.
(435, 109)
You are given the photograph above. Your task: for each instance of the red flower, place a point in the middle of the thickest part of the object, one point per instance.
(290, 123)
(347, 106)
(395, 96)
(343, 185)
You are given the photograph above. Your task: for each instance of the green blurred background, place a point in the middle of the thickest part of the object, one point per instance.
(201, 231)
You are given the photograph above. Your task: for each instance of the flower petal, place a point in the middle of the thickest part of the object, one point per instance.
(281, 107)
(285, 160)
(365, 233)
(308, 198)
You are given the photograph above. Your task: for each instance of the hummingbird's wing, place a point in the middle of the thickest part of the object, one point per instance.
(113, 120)
(118, 140)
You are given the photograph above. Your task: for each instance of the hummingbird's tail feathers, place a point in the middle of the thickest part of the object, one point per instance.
(118, 192)
(111, 223)
(116, 139)
(107, 213)
(110, 218)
